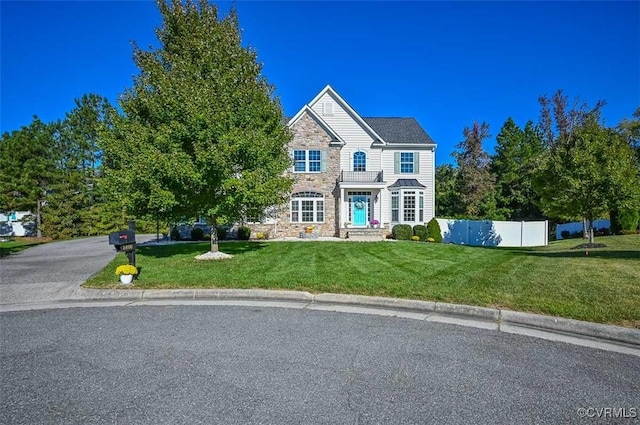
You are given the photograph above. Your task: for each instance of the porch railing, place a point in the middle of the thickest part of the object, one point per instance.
(361, 176)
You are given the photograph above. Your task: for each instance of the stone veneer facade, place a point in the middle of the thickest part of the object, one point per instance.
(308, 134)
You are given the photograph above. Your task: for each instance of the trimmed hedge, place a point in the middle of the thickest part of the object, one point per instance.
(433, 231)
(197, 234)
(402, 232)
(222, 233)
(175, 234)
(420, 231)
(244, 233)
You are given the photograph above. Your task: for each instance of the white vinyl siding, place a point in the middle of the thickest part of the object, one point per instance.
(355, 137)
(426, 176)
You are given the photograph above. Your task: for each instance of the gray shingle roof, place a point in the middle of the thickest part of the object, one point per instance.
(407, 183)
(399, 130)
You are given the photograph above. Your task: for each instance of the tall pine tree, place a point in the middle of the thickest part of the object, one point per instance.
(517, 153)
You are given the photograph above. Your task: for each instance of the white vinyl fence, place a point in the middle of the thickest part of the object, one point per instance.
(494, 233)
(576, 226)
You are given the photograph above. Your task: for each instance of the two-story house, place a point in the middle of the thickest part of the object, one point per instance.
(352, 171)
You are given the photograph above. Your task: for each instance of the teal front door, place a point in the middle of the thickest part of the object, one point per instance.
(359, 210)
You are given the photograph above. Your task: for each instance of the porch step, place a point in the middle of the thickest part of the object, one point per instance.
(365, 234)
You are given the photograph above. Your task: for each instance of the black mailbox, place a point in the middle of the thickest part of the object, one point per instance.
(123, 240)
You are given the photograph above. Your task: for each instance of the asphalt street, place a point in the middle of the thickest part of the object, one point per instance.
(250, 365)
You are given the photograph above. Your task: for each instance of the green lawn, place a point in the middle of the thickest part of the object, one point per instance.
(603, 286)
(18, 244)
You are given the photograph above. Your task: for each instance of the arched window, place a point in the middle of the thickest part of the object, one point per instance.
(359, 161)
(307, 207)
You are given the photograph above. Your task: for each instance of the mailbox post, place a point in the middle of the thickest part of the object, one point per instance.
(125, 240)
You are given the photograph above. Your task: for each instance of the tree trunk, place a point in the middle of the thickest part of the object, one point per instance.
(214, 234)
(591, 235)
(585, 231)
(38, 220)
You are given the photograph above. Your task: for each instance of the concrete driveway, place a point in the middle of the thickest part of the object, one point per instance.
(53, 271)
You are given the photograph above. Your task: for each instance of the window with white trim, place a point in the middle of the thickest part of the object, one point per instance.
(406, 162)
(359, 161)
(307, 207)
(407, 206)
(309, 161)
(395, 206)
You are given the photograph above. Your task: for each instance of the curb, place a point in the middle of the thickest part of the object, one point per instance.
(503, 320)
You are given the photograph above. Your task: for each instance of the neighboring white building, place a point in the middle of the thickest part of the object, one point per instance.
(12, 224)
(351, 171)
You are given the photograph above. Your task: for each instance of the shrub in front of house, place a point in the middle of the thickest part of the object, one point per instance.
(431, 240)
(433, 231)
(402, 232)
(262, 236)
(420, 231)
(222, 233)
(197, 234)
(175, 234)
(244, 233)
(415, 238)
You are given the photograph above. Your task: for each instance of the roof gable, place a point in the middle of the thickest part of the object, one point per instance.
(348, 109)
(307, 109)
(383, 130)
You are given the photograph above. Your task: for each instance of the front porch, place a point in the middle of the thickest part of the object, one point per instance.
(360, 211)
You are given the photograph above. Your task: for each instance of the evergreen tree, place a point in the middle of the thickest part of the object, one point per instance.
(28, 163)
(476, 183)
(73, 195)
(447, 197)
(202, 132)
(517, 153)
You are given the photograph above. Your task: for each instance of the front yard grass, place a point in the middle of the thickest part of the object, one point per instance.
(603, 286)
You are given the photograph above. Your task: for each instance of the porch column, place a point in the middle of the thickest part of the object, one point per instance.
(341, 218)
(380, 207)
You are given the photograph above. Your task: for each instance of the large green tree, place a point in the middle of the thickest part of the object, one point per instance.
(28, 163)
(476, 183)
(588, 175)
(517, 153)
(202, 131)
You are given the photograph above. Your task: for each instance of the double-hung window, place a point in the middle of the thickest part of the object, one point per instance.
(406, 163)
(307, 207)
(309, 161)
(395, 206)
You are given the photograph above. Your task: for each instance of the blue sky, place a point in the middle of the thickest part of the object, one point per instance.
(445, 63)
